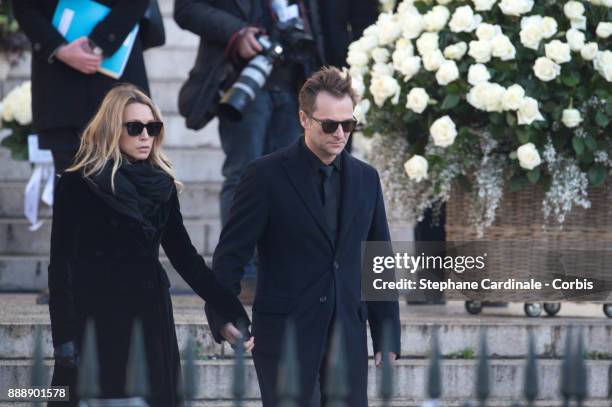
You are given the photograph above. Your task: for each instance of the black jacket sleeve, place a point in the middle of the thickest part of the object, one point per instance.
(381, 311)
(63, 238)
(193, 269)
(199, 17)
(110, 33)
(37, 26)
(247, 220)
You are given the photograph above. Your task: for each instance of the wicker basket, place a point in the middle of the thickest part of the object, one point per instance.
(520, 217)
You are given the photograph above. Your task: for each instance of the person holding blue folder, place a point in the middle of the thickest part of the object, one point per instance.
(67, 86)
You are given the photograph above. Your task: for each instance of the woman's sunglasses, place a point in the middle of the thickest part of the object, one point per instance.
(134, 129)
(330, 126)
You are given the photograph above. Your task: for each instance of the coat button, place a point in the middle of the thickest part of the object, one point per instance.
(37, 46)
(336, 265)
(322, 299)
(111, 37)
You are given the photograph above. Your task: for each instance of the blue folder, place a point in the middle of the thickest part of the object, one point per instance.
(77, 18)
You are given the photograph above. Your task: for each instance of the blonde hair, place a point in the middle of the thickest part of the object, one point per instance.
(100, 139)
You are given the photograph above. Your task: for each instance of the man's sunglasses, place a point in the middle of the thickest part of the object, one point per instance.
(134, 129)
(330, 126)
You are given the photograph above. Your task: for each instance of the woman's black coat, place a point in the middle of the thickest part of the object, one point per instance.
(103, 267)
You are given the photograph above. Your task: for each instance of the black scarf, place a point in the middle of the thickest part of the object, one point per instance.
(140, 189)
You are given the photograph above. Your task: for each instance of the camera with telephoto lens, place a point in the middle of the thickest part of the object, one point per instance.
(294, 44)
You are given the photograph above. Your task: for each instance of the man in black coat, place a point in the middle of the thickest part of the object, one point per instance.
(66, 90)
(308, 208)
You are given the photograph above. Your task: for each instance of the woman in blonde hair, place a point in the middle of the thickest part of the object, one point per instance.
(112, 210)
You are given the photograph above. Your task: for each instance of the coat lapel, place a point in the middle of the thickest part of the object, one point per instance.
(351, 182)
(297, 168)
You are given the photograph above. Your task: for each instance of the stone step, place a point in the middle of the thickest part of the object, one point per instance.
(201, 164)
(17, 239)
(198, 200)
(410, 378)
(377, 402)
(459, 333)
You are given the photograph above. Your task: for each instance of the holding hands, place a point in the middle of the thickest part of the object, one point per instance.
(232, 335)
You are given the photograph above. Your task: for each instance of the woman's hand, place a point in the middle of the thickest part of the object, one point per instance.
(231, 334)
(65, 355)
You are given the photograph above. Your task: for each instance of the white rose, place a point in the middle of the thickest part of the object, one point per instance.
(513, 97)
(604, 29)
(433, 60)
(579, 23)
(486, 31)
(443, 131)
(575, 39)
(477, 95)
(383, 87)
(447, 73)
(455, 51)
(480, 51)
(589, 51)
(369, 42)
(23, 114)
(531, 32)
(408, 67)
(516, 7)
(427, 43)
(417, 100)
(361, 110)
(528, 156)
(483, 5)
(493, 97)
(382, 69)
(571, 118)
(358, 70)
(416, 168)
(387, 5)
(404, 44)
(528, 112)
(549, 27)
(358, 85)
(412, 25)
(7, 110)
(573, 10)
(558, 51)
(478, 73)
(436, 18)
(380, 55)
(357, 58)
(603, 64)
(502, 48)
(546, 69)
(464, 20)
(444, 2)
(389, 31)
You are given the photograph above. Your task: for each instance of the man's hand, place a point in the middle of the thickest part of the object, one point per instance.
(247, 45)
(378, 358)
(78, 55)
(231, 334)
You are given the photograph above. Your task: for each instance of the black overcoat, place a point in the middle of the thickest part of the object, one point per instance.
(303, 275)
(63, 97)
(103, 267)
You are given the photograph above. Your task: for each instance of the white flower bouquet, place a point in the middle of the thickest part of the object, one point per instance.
(496, 95)
(16, 116)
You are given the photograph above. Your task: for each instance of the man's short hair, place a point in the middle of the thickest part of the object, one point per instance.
(329, 79)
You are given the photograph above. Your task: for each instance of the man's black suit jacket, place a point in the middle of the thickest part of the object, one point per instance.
(302, 274)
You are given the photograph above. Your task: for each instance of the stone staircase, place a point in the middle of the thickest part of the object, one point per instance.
(507, 333)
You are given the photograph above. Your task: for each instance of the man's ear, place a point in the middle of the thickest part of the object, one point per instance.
(303, 119)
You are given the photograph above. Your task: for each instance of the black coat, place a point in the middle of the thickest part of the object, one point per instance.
(336, 16)
(103, 267)
(302, 275)
(63, 97)
(215, 22)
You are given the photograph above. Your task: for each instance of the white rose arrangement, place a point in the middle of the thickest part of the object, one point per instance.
(489, 93)
(16, 116)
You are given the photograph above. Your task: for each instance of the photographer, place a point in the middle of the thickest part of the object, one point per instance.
(229, 31)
